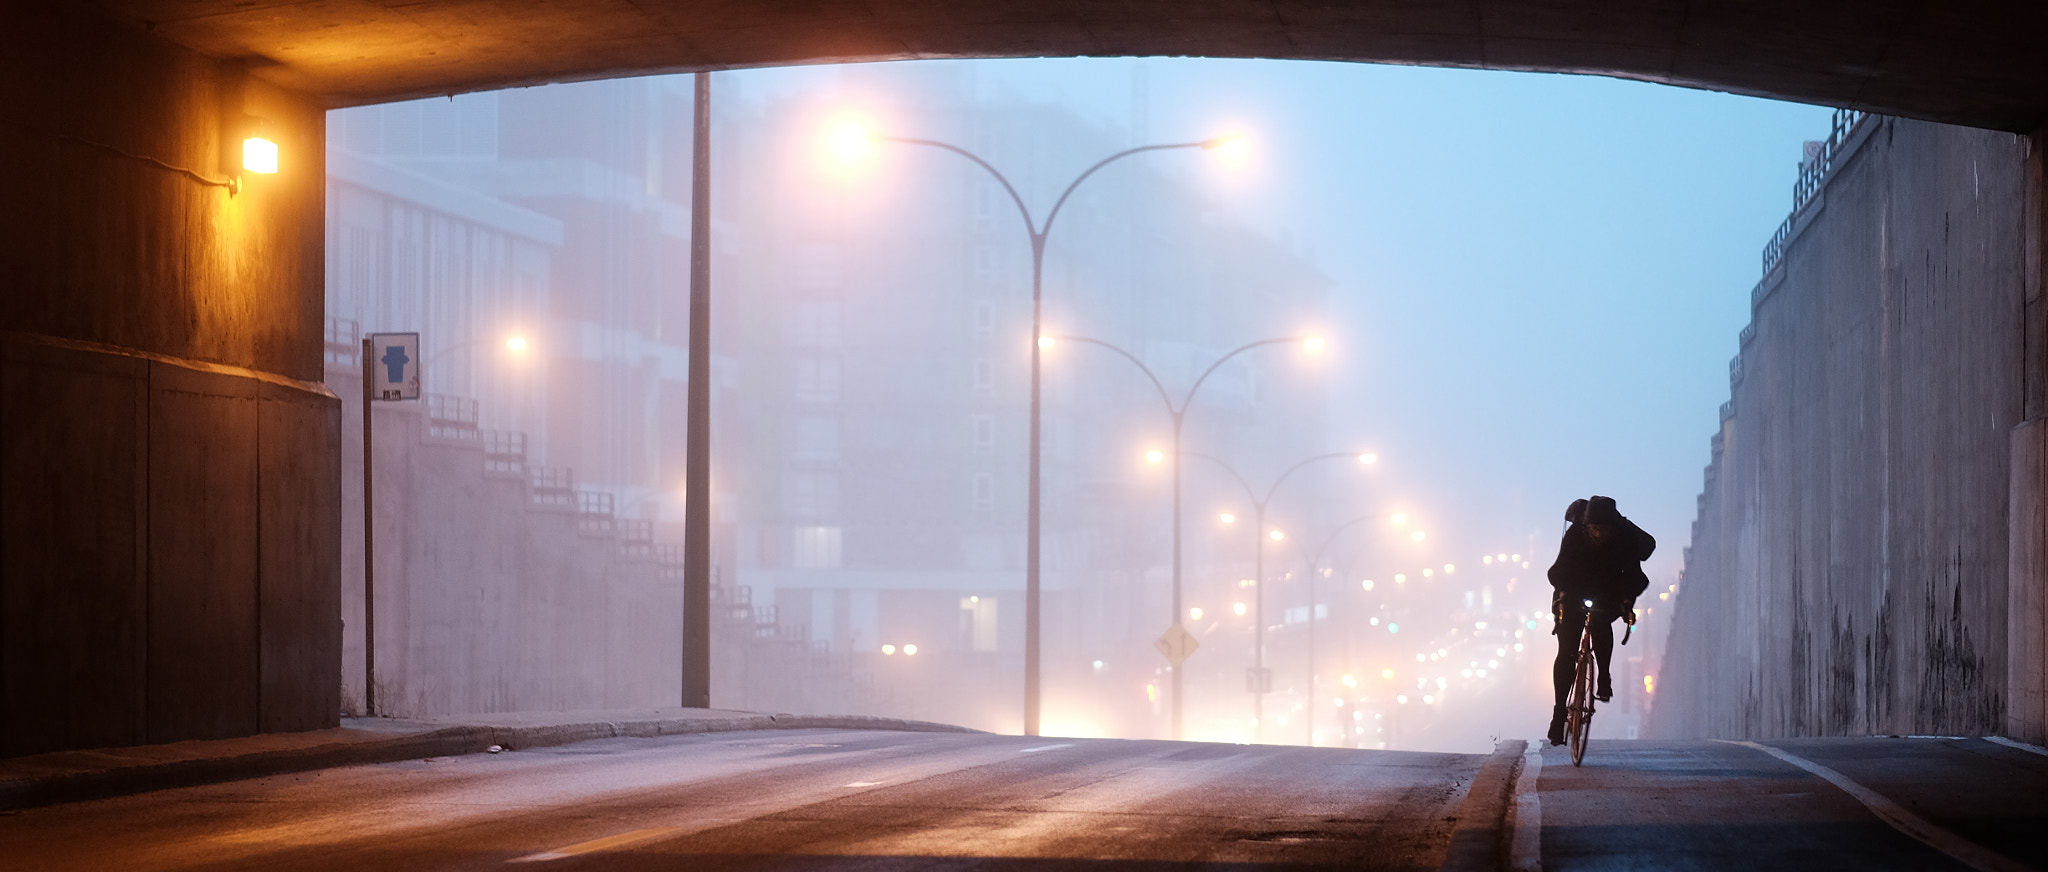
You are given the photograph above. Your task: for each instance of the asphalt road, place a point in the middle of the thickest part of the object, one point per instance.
(812, 799)
(1838, 803)
(876, 800)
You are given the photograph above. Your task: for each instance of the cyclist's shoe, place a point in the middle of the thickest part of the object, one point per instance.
(1557, 725)
(1606, 691)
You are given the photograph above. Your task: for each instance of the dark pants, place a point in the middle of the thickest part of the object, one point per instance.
(1564, 666)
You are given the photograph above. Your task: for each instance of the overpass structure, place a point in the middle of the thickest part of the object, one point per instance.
(169, 526)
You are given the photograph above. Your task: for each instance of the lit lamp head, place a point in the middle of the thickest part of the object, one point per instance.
(1233, 149)
(259, 147)
(850, 142)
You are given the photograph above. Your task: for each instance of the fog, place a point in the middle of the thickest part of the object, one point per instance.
(1526, 290)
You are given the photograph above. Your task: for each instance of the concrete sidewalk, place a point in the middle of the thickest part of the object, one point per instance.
(70, 776)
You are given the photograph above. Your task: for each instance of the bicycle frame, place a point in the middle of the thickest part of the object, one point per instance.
(1579, 703)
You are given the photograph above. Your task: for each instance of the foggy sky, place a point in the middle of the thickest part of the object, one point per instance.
(1539, 278)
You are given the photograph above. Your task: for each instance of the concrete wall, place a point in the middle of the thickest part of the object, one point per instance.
(486, 600)
(168, 527)
(2027, 575)
(1849, 566)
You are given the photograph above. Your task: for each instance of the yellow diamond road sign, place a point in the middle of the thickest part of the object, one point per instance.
(1176, 643)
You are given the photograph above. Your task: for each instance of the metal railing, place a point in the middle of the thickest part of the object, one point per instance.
(594, 513)
(504, 452)
(1813, 173)
(451, 417)
(344, 342)
(552, 486)
(636, 537)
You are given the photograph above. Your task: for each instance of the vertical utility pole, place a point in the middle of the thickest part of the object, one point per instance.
(697, 471)
(369, 549)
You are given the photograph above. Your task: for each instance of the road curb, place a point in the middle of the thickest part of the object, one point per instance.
(1479, 841)
(451, 741)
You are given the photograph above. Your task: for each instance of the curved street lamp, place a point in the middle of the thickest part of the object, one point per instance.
(1037, 232)
(1259, 505)
(1315, 570)
(1178, 413)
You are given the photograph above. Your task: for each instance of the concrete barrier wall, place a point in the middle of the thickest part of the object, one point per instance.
(169, 520)
(1848, 572)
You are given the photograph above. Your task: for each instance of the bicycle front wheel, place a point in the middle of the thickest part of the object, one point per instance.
(1579, 721)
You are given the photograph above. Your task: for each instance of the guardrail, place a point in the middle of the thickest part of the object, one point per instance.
(1813, 172)
(344, 342)
(504, 452)
(451, 417)
(594, 513)
(552, 486)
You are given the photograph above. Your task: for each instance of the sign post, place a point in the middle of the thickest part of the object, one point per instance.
(391, 371)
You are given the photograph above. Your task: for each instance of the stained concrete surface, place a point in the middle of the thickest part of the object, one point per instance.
(170, 517)
(1973, 63)
(1849, 570)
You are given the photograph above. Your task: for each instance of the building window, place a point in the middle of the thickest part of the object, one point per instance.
(984, 492)
(817, 379)
(814, 437)
(816, 267)
(817, 548)
(978, 622)
(984, 209)
(814, 323)
(811, 494)
(984, 263)
(984, 432)
(984, 377)
(984, 319)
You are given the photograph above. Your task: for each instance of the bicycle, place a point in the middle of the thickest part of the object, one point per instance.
(1579, 701)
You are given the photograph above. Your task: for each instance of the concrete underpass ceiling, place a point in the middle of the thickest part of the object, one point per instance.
(1977, 62)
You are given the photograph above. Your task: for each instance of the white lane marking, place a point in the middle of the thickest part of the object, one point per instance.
(1525, 849)
(1046, 748)
(2015, 743)
(865, 784)
(1969, 853)
(593, 846)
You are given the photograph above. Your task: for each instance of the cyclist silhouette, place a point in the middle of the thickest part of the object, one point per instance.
(1597, 577)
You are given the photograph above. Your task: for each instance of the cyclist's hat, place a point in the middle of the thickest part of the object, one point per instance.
(1601, 510)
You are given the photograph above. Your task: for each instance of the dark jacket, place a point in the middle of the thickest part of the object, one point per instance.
(1611, 571)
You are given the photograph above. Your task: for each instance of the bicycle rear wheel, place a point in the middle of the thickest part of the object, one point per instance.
(1579, 722)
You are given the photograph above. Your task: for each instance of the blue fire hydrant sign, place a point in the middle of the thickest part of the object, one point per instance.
(394, 366)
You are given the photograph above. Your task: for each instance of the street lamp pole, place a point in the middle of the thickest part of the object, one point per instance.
(1259, 534)
(1038, 233)
(1178, 413)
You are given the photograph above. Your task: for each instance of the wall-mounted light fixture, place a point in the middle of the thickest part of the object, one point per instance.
(259, 149)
